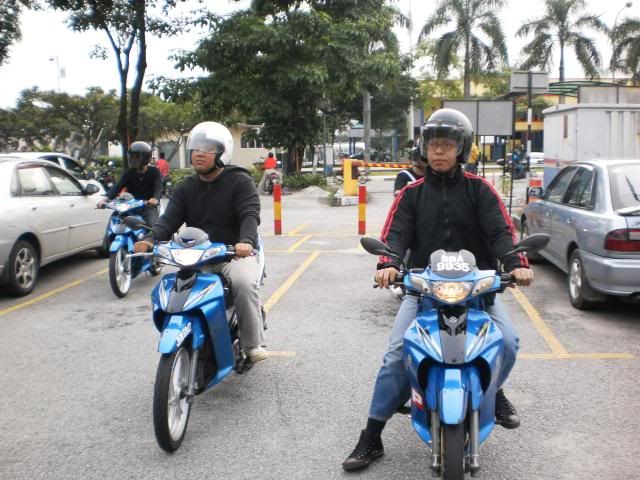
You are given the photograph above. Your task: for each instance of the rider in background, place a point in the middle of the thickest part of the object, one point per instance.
(410, 175)
(270, 166)
(141, 180)
(451, 210)
(163, 165)
(221, 200)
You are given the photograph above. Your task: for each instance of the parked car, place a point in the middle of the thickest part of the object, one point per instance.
(64, 161)
(46, 215)
(591, 211)
(537, 159)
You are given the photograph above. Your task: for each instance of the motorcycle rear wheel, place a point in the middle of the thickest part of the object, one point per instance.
(119, 277)
(452, 455)
(171, 408)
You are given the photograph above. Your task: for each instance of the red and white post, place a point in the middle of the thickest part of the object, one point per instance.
(362, 209)
(277, 209)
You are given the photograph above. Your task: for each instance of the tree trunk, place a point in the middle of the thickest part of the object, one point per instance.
(122, 119)
(294, 159)
(467, 66)
(561, 67)
(141, 67)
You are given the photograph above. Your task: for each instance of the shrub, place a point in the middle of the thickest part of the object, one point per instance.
(299, 181)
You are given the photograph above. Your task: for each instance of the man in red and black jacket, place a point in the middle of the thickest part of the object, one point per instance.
(451, 210)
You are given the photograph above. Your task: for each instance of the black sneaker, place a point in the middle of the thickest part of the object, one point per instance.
(369, 448)
(506, 414)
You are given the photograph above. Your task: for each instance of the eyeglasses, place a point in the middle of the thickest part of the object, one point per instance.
(442, 144)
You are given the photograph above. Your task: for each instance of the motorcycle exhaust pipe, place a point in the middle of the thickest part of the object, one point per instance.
(474, 439)
(435, 444)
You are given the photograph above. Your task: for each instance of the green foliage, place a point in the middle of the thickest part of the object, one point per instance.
(559, 24)
(467, 19)
(10, 24)
(299, 181)
(626, 54)
(179, 174)
(279, 65)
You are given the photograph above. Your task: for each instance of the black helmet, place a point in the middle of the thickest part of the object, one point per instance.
(139, 153)
(448, 123)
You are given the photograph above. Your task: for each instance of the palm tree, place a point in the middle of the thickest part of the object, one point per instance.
(626, 47)
(558, 25)
(470, 17)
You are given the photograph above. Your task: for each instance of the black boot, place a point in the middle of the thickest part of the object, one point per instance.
(369, 448)
(506, 414)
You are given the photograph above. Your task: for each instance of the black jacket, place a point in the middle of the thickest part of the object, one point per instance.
(461, 211)
(404, 177)
(227, 209)
(142, 186)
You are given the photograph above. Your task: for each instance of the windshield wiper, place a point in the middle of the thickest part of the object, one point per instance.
(633, 190)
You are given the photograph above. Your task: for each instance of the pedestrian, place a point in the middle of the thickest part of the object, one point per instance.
(472, 162)
(141, 180)
(411, 174)
(270, 167)
(221, 200)
(451, 210)
(163, 165)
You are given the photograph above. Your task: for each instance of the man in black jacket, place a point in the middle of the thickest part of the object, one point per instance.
(141, 180)
(222, 201)
(451, 210)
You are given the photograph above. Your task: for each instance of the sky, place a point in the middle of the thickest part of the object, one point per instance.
(48, 45)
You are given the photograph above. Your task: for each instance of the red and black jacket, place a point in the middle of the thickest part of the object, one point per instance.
(454, 212)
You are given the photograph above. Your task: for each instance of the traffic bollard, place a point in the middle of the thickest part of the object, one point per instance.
(277, 209)
(362, 209)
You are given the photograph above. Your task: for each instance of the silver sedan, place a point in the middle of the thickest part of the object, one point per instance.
(46, 215)
(591, 211)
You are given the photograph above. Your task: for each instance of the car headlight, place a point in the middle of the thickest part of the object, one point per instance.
(186, 257)
(451, 292)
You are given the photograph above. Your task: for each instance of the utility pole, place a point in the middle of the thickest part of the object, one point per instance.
(529, 117)
(366, 117)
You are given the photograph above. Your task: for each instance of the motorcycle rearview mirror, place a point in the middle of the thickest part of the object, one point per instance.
(532, 243)
(135, 223)
(376, 247)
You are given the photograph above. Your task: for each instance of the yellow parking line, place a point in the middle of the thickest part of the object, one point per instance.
(576, 356)
(554, 344)
(298, 229)
(290, 281)
(293, 247)
(281, 353)
(39, 298)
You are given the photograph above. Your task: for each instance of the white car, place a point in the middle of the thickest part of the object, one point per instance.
(46, 215)
(63, 161)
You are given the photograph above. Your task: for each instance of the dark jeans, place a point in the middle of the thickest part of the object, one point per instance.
(150, 215)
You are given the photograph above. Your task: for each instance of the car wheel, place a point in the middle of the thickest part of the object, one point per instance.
(23, 269)
(103, 250)
(580, 292)
(533, 257)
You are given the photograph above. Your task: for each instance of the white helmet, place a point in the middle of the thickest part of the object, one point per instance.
(211, 137)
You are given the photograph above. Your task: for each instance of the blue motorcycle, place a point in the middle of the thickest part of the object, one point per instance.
(199, 343)
(120, 238)
(452, 353)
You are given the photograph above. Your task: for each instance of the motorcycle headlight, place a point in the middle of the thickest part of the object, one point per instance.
(122, 208)
(164, 252)
(451, 292)
(483, 285)
(212, 252)
(186, 257)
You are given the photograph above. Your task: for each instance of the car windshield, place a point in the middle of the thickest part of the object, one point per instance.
(625, 185)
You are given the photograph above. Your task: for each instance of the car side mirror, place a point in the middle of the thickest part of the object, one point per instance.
(91, 189)
(537, 192)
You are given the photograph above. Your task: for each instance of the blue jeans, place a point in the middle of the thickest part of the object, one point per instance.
(392, 385)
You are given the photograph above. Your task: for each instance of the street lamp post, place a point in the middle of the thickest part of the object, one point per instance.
(57, 71)
(615, 22)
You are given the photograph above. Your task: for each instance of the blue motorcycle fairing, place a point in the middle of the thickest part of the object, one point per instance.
(121, 241)
(210, 307)
(177, 329)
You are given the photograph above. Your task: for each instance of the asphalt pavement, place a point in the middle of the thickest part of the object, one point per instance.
(79, 366)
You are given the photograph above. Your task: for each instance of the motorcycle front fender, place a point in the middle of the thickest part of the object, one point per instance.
(452, 396)
(177, 330)
(119, 242)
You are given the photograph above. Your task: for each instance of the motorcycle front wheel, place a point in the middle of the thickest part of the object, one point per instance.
(171, 408)
(119, 275)
(452, 455)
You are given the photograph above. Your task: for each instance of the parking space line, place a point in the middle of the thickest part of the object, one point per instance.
(297, 230)
(282, 353)
(55, 291)
(282, 289)
(576, 356)
(543, 329)
(293, 247)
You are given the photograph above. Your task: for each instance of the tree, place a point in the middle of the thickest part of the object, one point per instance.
(626, 44)
(126, 23)
(10, 24)
(280, 63)
(559, 26)
(470, 18)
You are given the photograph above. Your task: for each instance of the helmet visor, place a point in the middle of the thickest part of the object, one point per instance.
(442, 136)
(204, 144)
